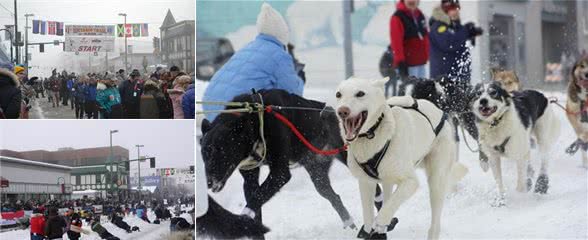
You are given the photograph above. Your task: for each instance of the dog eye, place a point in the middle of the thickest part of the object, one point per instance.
(493, 93)
(338, 95)
(360, 94)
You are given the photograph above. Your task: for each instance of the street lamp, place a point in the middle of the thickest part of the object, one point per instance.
(139, 164)
(27, 39)
(126, 46)
(111, 155)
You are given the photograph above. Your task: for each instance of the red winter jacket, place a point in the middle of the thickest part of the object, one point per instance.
(38, 224)
(412, 50)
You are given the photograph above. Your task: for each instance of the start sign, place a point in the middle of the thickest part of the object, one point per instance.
(89, 44)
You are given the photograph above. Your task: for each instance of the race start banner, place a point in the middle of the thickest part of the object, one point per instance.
(89, 44)
(89, 30)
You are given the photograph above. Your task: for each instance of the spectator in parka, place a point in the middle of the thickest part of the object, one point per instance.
(55, 225)
(154, 104)
(10, 94)
(409, 39)
(90, 103)
(27, 91)
(188, 102)
(78, 92)
(264, 63)
(109, 99)
(450, 56)
(75, 226)
(176, 94)
(37, 222)
(130, 93)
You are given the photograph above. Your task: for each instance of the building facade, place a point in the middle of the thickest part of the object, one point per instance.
(51, 181)
(178, 43)
(91, 168)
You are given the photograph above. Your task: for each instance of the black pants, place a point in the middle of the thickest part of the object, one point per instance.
(91, 109)
(79, 108)
(64, 97)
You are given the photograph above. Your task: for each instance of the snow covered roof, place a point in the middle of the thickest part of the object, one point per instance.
(29, 162)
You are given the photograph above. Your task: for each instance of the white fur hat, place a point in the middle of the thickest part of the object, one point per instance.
(271, 22)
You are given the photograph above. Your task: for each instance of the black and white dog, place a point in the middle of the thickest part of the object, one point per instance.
(234, 137)
(506, 123)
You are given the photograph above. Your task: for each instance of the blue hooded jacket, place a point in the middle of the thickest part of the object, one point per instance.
(449, 53)
(188, 106)
(262, 64)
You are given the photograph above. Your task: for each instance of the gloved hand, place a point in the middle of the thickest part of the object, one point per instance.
(472, 30)
(402, 70)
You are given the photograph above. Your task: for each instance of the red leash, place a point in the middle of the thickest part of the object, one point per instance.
(312, 148)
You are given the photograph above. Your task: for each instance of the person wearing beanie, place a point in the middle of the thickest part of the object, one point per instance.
(264, 63)
(449, 54)
(108, 99)
(130, 92)
(10, 94)
(409, 39)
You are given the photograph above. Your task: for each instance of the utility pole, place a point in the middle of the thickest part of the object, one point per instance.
(26, 45)
(139, 165)
(126, 46)
(16, 33)
(347, 38)
(110, 159)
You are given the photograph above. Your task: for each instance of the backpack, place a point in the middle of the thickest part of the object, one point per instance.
(386, 61)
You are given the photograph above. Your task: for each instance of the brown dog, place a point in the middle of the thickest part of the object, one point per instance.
(508, 79)
(577, 104)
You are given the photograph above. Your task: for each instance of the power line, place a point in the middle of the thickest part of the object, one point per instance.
(1, 5)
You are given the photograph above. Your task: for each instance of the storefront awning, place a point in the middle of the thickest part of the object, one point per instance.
(4, 183)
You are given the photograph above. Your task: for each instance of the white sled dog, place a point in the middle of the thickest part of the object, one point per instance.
(388, 141)
(506, 123)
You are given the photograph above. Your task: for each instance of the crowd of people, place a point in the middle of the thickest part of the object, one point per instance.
(52, 219)
(163, 94)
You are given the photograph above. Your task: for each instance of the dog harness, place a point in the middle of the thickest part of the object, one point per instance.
(370, 167)
(502, 147)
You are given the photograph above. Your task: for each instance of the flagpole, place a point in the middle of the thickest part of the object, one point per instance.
(16, 38)
(27, 15)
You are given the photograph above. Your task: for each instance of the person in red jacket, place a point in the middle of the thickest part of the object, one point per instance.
(409, 39)
(37, 225)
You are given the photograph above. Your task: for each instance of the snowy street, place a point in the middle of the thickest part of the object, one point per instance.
(148, 231)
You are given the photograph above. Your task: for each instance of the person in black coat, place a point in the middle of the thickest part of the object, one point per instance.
(130, 94)
(10, 94)
(55, 225)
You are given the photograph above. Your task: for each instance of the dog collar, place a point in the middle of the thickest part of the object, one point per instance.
(369, 134)
(497, 120)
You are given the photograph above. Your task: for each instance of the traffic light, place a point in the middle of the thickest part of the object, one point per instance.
(64, 46)
(152, 162)
(41, 47)
(191, 168)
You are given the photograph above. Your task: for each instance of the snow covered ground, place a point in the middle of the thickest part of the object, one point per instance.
(298, 212)
(148, 231)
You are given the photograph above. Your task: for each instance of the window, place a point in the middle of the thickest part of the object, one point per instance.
(72, 180)
(102, 178)
(93, 179)
(83, 179)
(114, 168)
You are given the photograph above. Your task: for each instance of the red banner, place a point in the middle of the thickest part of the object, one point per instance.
(13, 215)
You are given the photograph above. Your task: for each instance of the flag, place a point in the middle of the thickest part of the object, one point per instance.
(51, 28)
(136, 30)
(43, 27)
(128, 30)
(36, 26)
(59, 28)
(120, 30)
(144, 30)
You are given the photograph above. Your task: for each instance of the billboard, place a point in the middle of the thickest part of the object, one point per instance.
(89, 30)
(89, 44)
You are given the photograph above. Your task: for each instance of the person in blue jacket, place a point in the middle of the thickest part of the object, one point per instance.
(90, 104)
(449, 54)
(188, 102)
(264, 63)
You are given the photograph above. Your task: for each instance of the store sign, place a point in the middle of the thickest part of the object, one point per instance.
(89, 44)
(89, 30)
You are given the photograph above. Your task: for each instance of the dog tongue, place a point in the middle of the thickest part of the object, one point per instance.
(583, 82)
(351, 126)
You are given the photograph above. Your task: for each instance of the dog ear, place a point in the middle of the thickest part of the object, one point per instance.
(206, 126)
(380, 83)
(493, 72)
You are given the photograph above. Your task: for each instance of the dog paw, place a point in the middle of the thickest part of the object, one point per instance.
(376, 235)
(542, 184)
(362, 233)
(349, 223)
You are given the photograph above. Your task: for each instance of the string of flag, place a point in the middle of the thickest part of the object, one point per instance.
(57, 28)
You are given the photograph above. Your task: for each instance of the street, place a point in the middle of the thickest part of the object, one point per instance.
(42, 109)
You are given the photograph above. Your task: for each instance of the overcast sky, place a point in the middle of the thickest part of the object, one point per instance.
(98, 12)
(170, 141)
